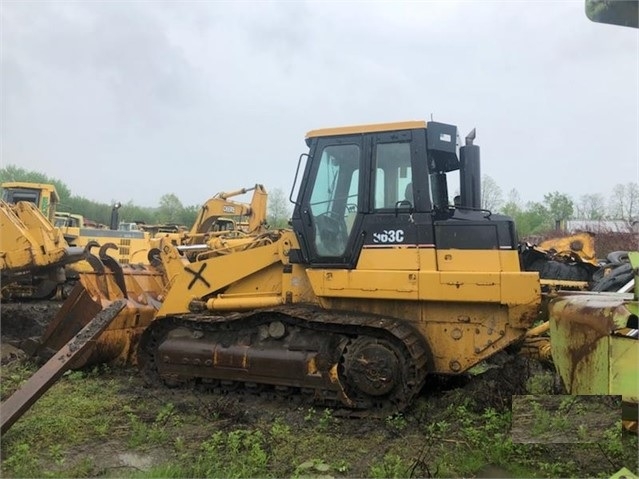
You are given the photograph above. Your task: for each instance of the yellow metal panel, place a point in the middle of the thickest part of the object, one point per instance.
(505, 288)
(624, 367)
(520, 288)
(129, 250)
(371, 128)
(509, 260)
(468, 260)
(364, 284)
(461, 345)
(465, 287)
(388, 258)
(427, 259)
(210, 276)
(477, 260)
(28, 239)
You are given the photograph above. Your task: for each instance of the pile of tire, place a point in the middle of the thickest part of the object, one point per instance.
(614, 273)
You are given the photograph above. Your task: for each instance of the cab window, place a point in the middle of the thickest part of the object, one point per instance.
(393, 175)
(334, 198)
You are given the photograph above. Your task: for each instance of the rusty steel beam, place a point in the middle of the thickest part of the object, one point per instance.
(20, 401)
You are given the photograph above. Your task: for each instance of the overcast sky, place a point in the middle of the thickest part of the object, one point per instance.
(126, 100)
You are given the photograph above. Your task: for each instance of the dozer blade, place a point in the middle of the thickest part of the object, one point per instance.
(20, 401)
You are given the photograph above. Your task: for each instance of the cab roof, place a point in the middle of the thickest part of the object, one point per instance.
(370, 128)
(8, 185)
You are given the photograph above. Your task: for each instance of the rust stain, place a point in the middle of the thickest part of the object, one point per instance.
(586, 320)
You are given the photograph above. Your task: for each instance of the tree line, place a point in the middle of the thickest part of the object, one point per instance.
(169, 211)
(530, 217)
(534, 217)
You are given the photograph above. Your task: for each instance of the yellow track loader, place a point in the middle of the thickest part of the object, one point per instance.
(380, 282)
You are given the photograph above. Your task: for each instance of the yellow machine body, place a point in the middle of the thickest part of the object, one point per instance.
(472, 314)
(43, 195)
(580, 246)
(32, 252)
(375, 286)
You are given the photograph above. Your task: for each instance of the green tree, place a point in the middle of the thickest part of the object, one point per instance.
(559, 206)
(278, 211)
(170, 210)
(132, 213)
(534, 219)
(189, 213)
(512, 207)
(15, 173)
(91, 210)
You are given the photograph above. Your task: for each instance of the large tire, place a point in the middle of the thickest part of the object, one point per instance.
(617, 277)
(617, 257)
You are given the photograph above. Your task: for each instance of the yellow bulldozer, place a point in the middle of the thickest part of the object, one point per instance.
(381, 281)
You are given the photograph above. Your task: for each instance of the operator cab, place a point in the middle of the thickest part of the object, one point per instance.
(44, 196)
(385, 186)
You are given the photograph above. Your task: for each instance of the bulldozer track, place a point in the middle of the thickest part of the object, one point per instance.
(362, 365)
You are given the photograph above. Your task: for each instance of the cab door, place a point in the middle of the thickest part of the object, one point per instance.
(329, 214)
(390, 240)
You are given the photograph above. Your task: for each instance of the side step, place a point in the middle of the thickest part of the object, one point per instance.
(19, 402)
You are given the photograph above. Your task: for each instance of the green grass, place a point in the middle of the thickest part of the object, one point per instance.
(89, 417)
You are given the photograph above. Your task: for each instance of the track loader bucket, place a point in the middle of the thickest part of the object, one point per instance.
(141, 286)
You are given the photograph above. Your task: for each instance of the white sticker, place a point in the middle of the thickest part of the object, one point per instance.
(389, 236)
(445, 137)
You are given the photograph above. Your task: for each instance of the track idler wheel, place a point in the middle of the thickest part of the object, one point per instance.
(372, 367)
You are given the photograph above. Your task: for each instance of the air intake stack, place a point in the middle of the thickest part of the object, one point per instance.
(442, 158)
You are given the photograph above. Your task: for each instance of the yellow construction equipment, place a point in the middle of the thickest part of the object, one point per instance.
(380, 282)
(44, 196)
(219, 220)
(33, 252)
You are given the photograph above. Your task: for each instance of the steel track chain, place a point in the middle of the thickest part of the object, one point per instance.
(405, 338)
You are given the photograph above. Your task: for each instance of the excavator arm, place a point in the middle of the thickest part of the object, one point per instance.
(248, 217)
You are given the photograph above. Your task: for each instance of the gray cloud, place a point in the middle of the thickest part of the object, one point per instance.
(131, 100)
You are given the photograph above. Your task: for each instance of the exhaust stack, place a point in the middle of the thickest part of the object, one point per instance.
(470, 173)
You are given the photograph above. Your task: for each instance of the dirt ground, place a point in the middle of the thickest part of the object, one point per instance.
(374, 439)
